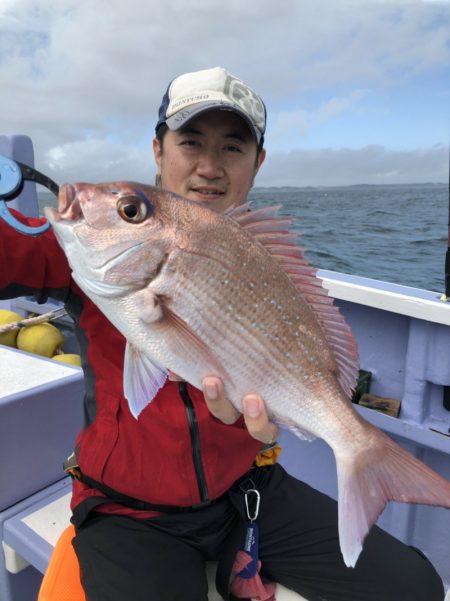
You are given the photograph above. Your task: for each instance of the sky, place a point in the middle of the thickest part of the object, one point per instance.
(357, 91)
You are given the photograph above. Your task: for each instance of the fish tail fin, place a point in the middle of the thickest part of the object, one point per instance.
(368, 480)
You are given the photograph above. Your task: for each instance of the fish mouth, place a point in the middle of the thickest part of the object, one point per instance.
(69, 216)
(69, 207)
(71, 226)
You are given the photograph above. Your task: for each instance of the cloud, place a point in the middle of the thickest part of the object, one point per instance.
(98, 160)
(299, 121)
(340, 167)
(79, 75)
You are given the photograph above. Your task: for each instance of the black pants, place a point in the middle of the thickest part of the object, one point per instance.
(163, 559)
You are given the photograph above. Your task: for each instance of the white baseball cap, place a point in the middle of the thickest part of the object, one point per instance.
(193, 93)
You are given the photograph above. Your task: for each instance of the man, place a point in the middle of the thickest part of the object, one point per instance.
(213, 160)
(155, 498)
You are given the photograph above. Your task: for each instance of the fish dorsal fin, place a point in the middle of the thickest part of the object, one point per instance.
(234, 211)
(272, 232)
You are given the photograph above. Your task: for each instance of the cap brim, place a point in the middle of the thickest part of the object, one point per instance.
(184, 115)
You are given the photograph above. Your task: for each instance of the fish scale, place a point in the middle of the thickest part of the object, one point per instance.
(259, 353)
(201, 293)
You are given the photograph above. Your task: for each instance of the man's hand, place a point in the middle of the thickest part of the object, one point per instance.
(255, 415)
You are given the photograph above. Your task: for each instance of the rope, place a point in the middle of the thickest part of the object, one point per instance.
(32, 321)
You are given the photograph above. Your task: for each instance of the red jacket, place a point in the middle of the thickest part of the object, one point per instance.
(176, 453)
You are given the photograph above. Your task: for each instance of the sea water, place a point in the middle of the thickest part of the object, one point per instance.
(393, 233)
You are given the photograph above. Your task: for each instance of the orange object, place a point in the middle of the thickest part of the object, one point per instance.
(62, 579)
(268, 457)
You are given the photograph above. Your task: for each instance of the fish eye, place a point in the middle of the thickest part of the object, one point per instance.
(132, 209)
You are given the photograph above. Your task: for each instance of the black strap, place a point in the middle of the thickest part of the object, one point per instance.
(33, 175)
(117, 497)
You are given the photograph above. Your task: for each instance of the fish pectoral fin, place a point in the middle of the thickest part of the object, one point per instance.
(185, 341)
(142, 378)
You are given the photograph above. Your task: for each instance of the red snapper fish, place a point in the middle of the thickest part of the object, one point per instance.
(202, 293)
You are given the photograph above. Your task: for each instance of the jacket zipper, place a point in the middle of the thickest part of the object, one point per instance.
(195, 441)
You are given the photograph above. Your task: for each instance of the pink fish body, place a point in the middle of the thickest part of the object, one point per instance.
(200, 293)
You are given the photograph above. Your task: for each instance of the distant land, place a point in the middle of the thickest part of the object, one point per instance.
(352, 186)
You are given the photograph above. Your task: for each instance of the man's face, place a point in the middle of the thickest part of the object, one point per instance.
(212, 160)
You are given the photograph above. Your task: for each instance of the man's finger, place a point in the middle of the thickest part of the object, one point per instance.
(217, 403)
(257, 420)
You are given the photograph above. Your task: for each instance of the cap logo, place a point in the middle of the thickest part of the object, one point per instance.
(244, 97)
(181, 116)
(186, 101)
